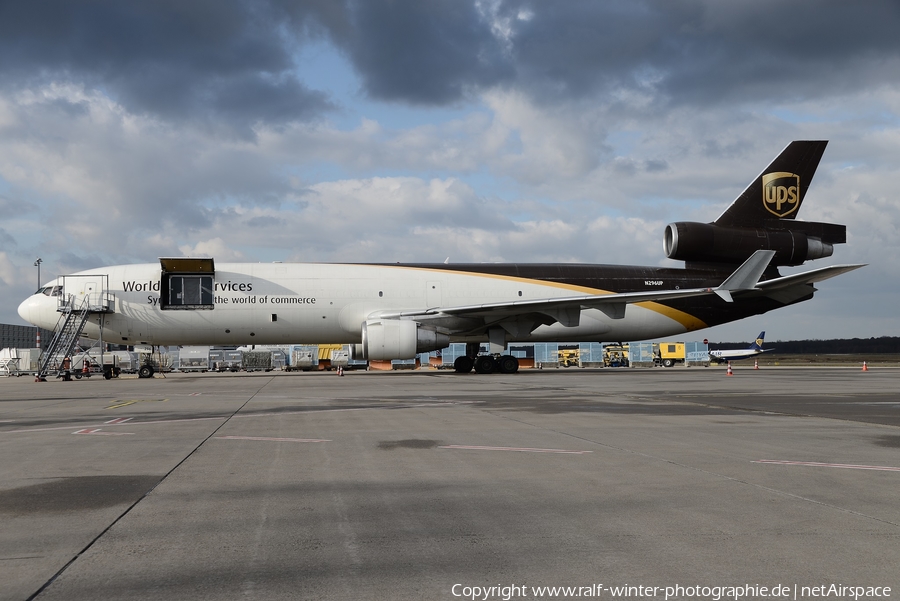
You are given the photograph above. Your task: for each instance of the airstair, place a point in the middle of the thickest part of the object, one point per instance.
(71, 322)
(79, 297)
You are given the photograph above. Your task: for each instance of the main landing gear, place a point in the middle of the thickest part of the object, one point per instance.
(486, 364)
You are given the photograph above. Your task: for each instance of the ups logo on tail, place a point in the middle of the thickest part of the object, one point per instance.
(781, 192)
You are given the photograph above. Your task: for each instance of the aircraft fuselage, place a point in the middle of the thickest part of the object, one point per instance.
(273, 303)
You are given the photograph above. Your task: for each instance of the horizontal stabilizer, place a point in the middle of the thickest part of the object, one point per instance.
(807, 277)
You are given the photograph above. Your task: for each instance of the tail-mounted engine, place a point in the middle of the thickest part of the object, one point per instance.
(386, 339)
(794, 242)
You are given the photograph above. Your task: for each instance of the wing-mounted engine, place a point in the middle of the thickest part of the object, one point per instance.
(386, 339)
(794, 242)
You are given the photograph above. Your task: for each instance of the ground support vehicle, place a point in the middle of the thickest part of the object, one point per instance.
(668, 354)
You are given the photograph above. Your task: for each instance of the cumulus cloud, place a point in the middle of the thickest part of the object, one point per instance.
(228, 61)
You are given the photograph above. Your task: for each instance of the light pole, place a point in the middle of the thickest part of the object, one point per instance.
(38, 330)
(38, 265)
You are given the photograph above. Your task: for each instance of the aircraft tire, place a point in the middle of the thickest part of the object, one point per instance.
(507, 364)
(485, 365)
(145, 372)
(463, 365)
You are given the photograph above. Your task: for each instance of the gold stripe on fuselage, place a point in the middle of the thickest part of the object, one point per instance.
(685, 319)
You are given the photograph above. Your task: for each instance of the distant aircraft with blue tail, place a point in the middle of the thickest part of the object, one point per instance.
(738, 354)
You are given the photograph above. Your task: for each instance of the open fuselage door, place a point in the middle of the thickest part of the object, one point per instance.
(187, 283)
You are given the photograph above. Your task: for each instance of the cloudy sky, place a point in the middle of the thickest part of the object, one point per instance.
(410, 130)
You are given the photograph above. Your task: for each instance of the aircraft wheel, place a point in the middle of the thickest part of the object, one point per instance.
(145, 372)
(463, 365)
(507, 364)
(485, 365)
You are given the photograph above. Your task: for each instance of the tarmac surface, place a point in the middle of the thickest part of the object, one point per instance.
(426, 485)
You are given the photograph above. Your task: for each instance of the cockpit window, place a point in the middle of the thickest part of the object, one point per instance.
(50, 290)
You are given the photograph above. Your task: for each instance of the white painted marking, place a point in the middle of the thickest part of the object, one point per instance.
(224, 417)
(273, 439)
(97, 432)
(518, 449)
(846, 466)
(159, 421)
(118, 420)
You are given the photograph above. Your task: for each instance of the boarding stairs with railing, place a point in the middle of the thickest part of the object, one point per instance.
(68, 329)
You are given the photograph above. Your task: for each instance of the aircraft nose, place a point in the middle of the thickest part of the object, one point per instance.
(25, 308)
(33, 310)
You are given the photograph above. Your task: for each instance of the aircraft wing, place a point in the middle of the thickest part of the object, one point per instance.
(566, 309)
(614, 303)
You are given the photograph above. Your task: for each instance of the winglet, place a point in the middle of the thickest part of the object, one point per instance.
(745, 277)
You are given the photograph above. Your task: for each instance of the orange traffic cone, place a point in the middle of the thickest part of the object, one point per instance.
(729, 372)
(755, 364)
(865, 367)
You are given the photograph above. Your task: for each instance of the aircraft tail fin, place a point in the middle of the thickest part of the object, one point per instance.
(758, 343)
(779, 190)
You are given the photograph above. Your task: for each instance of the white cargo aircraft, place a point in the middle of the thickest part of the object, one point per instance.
(393, 311)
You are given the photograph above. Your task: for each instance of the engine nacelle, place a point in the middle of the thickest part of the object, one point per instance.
(386, 339)
(710, 243)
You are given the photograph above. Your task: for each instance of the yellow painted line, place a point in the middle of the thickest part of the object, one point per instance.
(686, 319)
